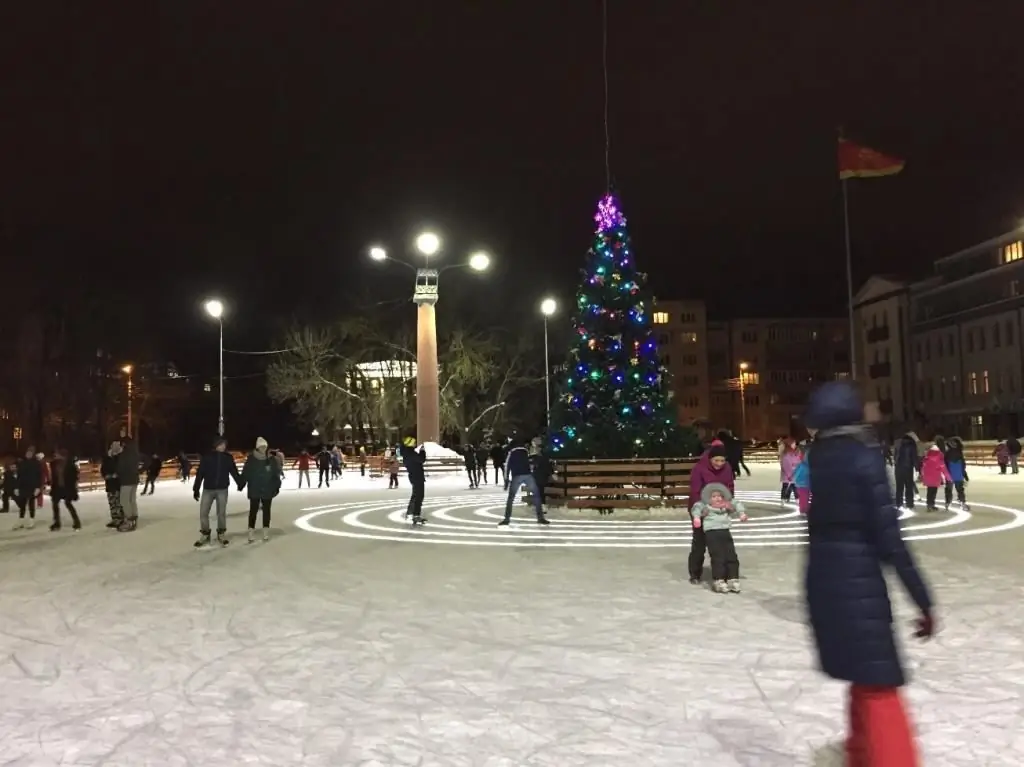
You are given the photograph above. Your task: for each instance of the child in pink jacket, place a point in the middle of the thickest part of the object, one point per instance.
(934, 474)
(787, 465)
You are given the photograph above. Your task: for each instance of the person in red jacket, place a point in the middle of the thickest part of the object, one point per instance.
(711, 467)
(303, 463)
(934, 474)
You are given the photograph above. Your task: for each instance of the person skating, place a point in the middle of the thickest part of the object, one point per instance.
(153, 469)
(957, 466)
(335, 462)
(413, 460)
(802, 480)
(391, 466)
(541, 467)
(714, 513)
(10, 487)
(323, 465)
(213, 477)
(262, 478)
(498, 462)
(710, 467)
(302, 463)
(44, 466)
(853, 533)
(128, 477)
(30, 484)
(518, 474)
(184, 467)
(472, 470)
(64, 487)
(482, 454)
(934, 475)
(787, 465)
(905, 465)
(1013, 448)
(112, 486)
(1002, 455)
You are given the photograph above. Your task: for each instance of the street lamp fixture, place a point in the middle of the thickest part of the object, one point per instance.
(547, 307)
(428, 243)
(315, 432)
(479, 261)
(127, 370)
(215, 308)
(378, 254)
(743, 397)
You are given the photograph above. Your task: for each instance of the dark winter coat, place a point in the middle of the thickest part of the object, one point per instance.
(413, 461)
(853, 531)
(30, 476)
(108, 470)
(154, 468)
(261, 476)
(517, 463)
(215, 471)
(703, 473)
(906, 454)
(10, 481)
(128, 463)
(64, 479)
(469, 456)
(543, 468)
(498, 455)
(323, 460)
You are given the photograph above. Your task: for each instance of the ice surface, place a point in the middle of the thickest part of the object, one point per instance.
(130, 650)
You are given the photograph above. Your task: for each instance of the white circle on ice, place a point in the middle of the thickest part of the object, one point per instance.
(471, 520)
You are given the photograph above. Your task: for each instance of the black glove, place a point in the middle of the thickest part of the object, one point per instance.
(196, 495)
(924, 627)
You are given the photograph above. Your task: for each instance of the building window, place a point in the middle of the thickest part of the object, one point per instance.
(663, 339)
(689, 338)
(749, 336)
(942, 388)
(981, 339)
(1009, 333)
(973, 383)
(927, 349)
(1013, 252)
(949, 344)
(970, 342)
(996, 335)
(660, 318)
(689, 359)
(207, 388)
(984, 381)
(1014, 288)
(750, 379)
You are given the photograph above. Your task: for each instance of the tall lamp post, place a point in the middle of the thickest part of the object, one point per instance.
(428, 393)
(743, 397)
(215, 309)
(547, 307)
(127, 370)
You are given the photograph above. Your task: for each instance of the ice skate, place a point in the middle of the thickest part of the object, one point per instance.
(543, 521)
(694, 581)
(734, 586)
(19, 525)
(128, 525)
(222, 539)
(252, 535)
(31, 523)
(418, 521)
(114, 524)
(720, 587)
(203, 542)
(54, 527)
(266, 534)
(504, 523)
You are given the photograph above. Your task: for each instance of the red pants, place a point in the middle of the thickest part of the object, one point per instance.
(803, 495)
(880, 733)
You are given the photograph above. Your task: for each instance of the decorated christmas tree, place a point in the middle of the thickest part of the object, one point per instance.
(614, 400)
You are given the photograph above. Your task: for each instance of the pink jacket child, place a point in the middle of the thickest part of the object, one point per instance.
(934, 473)
(788, 462)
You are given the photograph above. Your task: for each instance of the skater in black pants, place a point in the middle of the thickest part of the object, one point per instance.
(30, 484)
(323, 463)
(64, 487)
(711, 467)
(262, 477)
(481, 462)
(10, 487)
(472, 471)
(905, 466)
(152, 472)
(112, 485)
(413, 460)
(498, 454)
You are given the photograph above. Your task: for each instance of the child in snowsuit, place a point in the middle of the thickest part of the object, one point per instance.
(112, 485)
(934, 474)
(391, 467)
(802, 481)
(787, 465)
(957, 472)
(1002, 454)
(714, 513)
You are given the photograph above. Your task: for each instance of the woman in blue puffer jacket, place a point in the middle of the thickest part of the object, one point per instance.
(853, 532)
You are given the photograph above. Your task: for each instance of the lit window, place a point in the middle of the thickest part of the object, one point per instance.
(750, 379)
(1013, 252)
(689, 338)
(984, 381)
(660, 318)
(207, 388)
(973, 383)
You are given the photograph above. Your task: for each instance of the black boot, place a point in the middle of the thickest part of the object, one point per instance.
(204, 539)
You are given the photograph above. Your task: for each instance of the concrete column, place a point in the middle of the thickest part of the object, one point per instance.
(428, 393)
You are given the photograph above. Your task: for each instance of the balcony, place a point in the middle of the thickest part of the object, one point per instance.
(880, 370)
(878, 334)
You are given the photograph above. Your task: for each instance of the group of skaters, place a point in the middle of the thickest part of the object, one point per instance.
(938, 464)
(853, 535)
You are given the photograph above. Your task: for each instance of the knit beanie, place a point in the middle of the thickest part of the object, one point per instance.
(261, 444)
(717, 450)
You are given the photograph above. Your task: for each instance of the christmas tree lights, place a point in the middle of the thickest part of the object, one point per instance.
(613, 402)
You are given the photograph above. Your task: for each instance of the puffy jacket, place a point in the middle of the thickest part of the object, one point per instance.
(933, 469)
(955, 462)
(787, 465)
(906, 454)
(108, 469)
(853, 532)
(802, 472)
(215, 472)
(413, 461)
(261, 475)
(128, 463)
(703, 473)
(517, 463)
(30, 475)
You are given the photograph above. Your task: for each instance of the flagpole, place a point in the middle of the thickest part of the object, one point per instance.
(849, 279)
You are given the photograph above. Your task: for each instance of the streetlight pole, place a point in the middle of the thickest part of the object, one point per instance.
(425, 296)
(127, 369)
(743, 397)
(215, 309)
(547, 307)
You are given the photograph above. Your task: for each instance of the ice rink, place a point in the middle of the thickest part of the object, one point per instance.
(351, 639)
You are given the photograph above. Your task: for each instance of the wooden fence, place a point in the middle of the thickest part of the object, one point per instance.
(608, 484)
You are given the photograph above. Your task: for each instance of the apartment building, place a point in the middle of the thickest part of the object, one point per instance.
(773, 363)
(881, 311)
(966, 322)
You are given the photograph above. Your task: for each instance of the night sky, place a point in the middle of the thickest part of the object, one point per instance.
(160, 152)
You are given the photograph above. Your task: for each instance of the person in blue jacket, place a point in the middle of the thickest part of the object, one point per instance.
(853, 532)
(413, 460)
(957, 466)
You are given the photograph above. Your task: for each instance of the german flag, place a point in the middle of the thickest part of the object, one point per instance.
(856, 161)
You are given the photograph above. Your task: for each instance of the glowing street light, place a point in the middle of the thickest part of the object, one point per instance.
(744, 367)
(127, 370)
(428, 243)
(547, 307)
(378, 254)
(479, 261)
(315, 432)
(215, 308)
